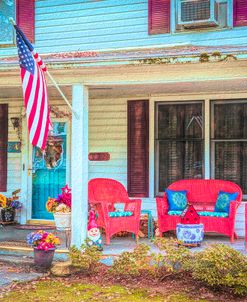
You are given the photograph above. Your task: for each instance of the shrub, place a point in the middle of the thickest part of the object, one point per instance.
(176, 257)
(221, 266)
(132, 263)
(85, 259)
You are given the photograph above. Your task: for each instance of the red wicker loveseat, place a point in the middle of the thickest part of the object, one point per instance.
(202, 194)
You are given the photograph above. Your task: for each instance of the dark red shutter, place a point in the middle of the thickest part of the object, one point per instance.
(158, 16)
(25, 11)
(3, 147)
(240, 13)
(138, 148)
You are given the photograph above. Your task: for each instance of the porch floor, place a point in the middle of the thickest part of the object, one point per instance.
(12, 237)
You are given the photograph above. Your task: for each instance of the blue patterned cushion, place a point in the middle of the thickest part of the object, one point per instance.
(213, 214)
(223, 201)
(177, 200)
(175, 213)
(120, 214)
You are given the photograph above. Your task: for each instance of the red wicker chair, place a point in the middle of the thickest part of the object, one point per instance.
(202, 194)
(103, 193)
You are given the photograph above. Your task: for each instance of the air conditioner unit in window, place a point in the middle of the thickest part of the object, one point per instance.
(197, 13)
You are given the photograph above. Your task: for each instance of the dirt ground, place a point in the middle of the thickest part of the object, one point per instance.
(102, 286)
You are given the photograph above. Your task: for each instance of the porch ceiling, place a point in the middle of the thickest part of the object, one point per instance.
(140, 90)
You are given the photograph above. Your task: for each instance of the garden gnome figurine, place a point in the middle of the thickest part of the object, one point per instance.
(93, 233)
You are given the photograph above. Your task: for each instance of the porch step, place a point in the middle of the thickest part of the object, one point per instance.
(40, 222)
(21, 260)
(26, 252)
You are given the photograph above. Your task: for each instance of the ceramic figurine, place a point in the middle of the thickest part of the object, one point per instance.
(93, 233)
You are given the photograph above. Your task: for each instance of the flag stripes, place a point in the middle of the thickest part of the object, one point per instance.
(34, 91)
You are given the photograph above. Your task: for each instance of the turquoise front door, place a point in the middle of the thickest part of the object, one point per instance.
(49, 171)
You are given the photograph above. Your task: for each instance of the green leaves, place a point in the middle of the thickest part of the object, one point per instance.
(85, 259)
(221, 266)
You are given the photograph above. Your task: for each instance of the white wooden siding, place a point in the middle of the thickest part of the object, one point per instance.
(108, 133)
(240, 220)
(87, 25)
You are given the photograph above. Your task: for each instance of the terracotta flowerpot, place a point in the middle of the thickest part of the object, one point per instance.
(43, 258)
(62, 220)
(7, 215)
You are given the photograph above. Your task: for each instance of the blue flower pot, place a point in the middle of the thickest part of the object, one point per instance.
(190, 234)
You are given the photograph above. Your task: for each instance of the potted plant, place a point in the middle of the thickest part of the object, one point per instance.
(9, 209)
(61, 208)
(44, 245)
(3, 201)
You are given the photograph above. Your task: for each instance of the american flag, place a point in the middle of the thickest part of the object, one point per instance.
(34, 90)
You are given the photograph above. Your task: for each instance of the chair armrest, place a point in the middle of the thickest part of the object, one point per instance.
(233, 209)
(133, 205)
(162, 205)
(107, 207)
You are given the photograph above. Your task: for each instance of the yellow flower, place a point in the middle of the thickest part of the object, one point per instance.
(3, 201)
(51, 204)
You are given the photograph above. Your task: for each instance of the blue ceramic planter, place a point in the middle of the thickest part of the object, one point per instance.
(190, 233)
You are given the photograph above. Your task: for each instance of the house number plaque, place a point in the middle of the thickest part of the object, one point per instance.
(99, 156)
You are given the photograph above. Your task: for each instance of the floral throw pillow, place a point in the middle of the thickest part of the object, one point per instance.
(177, 200)
(223, 201)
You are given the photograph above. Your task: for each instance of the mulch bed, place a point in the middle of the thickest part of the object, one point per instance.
(180, 283)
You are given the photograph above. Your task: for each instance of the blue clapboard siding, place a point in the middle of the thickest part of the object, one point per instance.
(78, 25)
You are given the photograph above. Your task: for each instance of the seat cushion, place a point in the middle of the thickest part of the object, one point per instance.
(223, 201)
(120, 214)
(172, 213)
(201, 213)
(177, 200)
(213, 214)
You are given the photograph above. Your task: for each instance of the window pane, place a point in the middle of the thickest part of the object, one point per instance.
(179, 160)
(180, 121)
(231, 162)
(230, 121)
(7, 10)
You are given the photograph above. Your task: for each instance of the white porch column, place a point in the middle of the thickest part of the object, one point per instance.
(26, 201)
(79, 164)
(207, 140)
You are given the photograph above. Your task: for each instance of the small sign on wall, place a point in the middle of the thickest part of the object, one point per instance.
(14, 147)
(99, 156)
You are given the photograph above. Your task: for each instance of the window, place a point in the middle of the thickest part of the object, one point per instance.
(7, 10)
(229, 142)
(179, 142)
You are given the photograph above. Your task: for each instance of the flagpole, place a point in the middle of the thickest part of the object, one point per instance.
(62, 94)
(12, 21)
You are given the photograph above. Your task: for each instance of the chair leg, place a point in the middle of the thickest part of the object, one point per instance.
(232, 238)
(235, 235)
(137, 238)
(108, 240)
